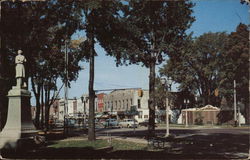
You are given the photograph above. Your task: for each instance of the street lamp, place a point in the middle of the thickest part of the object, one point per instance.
(238, 106)
(84, 100)
(165, 82)
(186, 102)
(79, 115)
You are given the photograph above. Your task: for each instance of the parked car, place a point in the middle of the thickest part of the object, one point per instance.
(71, 122)
(145, 123)
(129, 123)
(111, 123)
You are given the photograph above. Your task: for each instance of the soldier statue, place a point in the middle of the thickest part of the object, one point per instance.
(20, 70)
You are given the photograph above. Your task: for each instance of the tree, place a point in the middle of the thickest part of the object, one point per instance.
(196, 66)
(236, 67)
(143, 33)
(92, 11)
(40, 29)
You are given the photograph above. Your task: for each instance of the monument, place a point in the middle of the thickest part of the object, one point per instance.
(19, 129)
(20, 70)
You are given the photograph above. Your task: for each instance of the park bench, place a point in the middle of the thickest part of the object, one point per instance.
(159, 142)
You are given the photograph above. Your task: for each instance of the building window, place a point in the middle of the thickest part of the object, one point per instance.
(140, 115)
(139, 103)
(145, 116)
(131, 102)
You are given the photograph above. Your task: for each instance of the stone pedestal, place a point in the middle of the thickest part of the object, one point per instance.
(19, 126)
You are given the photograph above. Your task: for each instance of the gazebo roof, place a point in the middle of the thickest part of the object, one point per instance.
(209, 107)
(205, 108)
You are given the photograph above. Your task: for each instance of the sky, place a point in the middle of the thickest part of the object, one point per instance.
(211, 16)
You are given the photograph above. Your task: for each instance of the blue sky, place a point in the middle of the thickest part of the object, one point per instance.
(218, 15)
(211, 15)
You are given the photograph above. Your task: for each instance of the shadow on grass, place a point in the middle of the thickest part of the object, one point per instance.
(90, 153)
(60, 136)
(218, 143)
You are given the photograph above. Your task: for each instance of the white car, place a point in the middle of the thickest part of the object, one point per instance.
(129, 123)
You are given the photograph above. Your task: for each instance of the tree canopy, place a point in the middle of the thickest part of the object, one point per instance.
(208, 65)
(195, 67)
(235, 66)
(143, 33)
(41, 30)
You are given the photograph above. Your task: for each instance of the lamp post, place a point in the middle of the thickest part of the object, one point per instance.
(84, 100)
(238, 114)
(165, 82)
(186, 102)
(79, 114)
(235, 108)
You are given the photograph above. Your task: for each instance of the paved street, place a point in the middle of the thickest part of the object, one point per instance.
(176, 131)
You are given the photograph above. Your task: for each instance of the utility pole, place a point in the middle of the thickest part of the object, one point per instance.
(235, 111)
(66, 88)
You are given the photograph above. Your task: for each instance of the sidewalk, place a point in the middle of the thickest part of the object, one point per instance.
(181, 126)
(128, 139)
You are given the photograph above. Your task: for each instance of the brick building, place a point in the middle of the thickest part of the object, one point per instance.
(119, 102)
(204, 115)
(100, 102)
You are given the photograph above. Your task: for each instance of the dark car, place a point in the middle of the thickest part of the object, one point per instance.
(111, 123)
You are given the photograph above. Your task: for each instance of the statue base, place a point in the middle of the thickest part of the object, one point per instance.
(19, 131)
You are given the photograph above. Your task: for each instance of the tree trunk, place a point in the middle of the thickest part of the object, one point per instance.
(38, 108)
(42, 108)
(151, 101)
(5, 85)
(38, 104)
(47, 95)
(91, 130)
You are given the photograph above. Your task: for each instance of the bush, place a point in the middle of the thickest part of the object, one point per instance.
(224, 116)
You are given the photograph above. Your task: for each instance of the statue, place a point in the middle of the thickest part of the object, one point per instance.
(19, 132)
(20, 70)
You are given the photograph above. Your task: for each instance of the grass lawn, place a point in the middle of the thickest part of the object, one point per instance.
(117, 144)
(123, 145)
